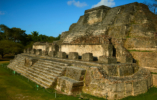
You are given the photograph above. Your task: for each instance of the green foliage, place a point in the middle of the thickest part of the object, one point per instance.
(19, 87)
(7, 46)
(16, 39)
(35, 36)
(153, 73)
(139, 50)
(150, 95)
(29, 45)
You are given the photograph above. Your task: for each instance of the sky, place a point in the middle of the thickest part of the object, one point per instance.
(49, 17)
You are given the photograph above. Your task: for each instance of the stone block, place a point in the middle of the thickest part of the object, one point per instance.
(120, 87)
(44, 53)
(55, 47)
(111, 70)
(29, 61)
(61, 55)
(52, 53)
(107, 60)
(128, 88)
(125, 69)
(73, 55)
(108, 49)
(68, 85)
(155, 80)
(139, 86)
(38, 52)
(33, 51)
(25, 51)
(75, 73)
(28, 50)
(87, 57)
(126, 59)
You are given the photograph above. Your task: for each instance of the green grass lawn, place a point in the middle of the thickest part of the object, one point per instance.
(17, 87)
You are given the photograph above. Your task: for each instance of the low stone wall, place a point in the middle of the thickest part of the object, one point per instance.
(42, 47)
(144, 49)
(122, 69)
(97, 50)
(98, 83)
(117, 88)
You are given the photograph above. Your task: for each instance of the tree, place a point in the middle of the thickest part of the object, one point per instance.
(8, 46)
(6, 31)
(35, 35)
(18, 35)
(152, 6)
(43, 38)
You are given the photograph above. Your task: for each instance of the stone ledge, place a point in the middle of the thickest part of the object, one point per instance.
(75, 73)
(68, 85)
(154, 70)
(97, 8)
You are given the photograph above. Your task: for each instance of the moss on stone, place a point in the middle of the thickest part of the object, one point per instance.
(140, 50)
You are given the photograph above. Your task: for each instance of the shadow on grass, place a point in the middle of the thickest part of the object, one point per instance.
(7, 57)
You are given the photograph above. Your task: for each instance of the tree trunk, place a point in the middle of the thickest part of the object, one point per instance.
(2, 55)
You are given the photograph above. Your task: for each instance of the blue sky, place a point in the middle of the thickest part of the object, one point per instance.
(48, 17)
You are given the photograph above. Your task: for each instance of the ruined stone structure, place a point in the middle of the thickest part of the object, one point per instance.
(93, 56)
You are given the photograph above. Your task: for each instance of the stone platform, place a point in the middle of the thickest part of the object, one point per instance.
(74, 76)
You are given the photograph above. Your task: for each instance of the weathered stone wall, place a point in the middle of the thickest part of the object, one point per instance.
(132, 21)
(42, 47)
(98, 83)
(140, 42)
(97, 50)
(121, 69)
(146, 59)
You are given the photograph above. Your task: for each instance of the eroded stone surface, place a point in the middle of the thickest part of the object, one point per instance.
(75, 73)
(38, 52)
(107, 60)
(52, 53)
(73, 55)
(87, 57)
(33, 51)
(61, 54)
(44, 53)
(69, 86)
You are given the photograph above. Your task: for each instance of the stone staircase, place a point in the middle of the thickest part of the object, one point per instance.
(49, 73)
(45, 72)
(18, 65)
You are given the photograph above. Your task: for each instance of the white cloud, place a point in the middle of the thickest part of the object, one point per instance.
(2, 13)
(109, 3)
(77, 3)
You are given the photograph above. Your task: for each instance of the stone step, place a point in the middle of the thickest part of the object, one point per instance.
(32, 79)
(48, 84)
(75, 86)
(49, 70)
(48, 75)
(40, 76)
(53, 62)
(50, 67)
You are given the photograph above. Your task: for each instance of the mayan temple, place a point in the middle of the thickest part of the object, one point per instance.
(108, 52)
